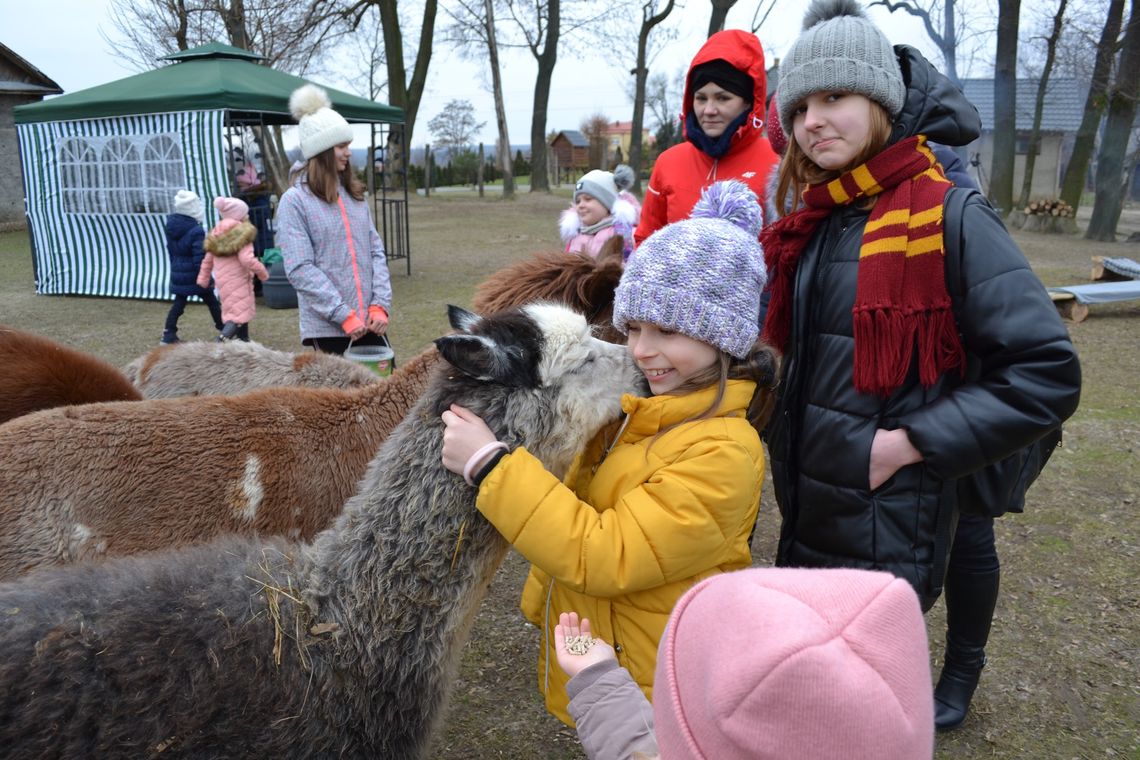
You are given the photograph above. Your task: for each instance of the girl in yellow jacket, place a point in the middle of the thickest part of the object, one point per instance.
(667, 496)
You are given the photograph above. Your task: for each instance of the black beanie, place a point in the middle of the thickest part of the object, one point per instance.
(725, 76)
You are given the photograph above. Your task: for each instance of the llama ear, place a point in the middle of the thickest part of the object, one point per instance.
(473, 355)
(461, 319)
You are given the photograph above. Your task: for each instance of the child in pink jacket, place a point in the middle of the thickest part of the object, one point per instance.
(597, 214)
(230, 257)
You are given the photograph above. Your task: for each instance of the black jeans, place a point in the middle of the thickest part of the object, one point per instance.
(974, 550)
(179, 306)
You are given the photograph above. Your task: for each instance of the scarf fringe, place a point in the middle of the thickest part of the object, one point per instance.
(885, 342)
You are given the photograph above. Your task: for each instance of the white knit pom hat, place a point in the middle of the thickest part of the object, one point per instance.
(188, 203)
(320, 127)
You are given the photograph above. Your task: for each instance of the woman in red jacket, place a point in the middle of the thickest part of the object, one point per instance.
(723, 114)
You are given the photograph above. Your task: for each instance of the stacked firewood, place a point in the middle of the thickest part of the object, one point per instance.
(1050, 207)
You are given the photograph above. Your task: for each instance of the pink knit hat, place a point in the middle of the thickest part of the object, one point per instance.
(776, 136)
(231, 208)
(786, 663)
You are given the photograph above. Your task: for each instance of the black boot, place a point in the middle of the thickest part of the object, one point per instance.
(970, 601)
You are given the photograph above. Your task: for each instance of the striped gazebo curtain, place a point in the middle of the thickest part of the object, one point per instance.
(98, 192)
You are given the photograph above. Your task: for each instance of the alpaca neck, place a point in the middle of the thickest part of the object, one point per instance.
(401, 574)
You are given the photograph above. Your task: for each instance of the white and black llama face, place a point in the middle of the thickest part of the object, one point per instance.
(537, 375)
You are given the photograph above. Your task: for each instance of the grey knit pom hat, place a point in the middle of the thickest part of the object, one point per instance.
(701, 276)
(839, 49)
(600, 186)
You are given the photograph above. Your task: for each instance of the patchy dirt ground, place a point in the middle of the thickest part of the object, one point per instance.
(1064, 674)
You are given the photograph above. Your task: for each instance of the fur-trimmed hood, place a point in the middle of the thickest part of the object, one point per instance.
(624, 214)
(228, 237)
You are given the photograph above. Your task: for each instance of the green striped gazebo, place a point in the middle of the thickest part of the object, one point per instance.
(101, 165)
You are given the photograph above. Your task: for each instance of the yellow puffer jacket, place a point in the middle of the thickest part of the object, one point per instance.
(624, 539)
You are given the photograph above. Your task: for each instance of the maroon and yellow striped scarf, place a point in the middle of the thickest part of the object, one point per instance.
(900, 293)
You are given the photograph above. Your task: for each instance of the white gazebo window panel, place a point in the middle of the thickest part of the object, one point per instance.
(164, 172)
(79, 176)
(122, 170)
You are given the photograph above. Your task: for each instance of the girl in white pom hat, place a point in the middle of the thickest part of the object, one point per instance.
(334, 257)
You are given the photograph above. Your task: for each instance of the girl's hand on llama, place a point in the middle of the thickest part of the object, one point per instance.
(464, 434)
(576, 648)
(891, 450)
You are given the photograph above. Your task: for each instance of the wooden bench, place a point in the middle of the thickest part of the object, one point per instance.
(1072, 301)
(1069, 307)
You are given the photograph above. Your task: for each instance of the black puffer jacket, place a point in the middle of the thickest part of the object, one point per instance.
(821, 432)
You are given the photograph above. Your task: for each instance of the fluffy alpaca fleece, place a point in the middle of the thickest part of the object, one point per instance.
(126, 478)
(342, 648)
(577, 279)
(38, 373)
(197, 368)
(120, 478)
(202, 369)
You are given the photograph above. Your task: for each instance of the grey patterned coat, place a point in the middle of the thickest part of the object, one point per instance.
(311, 235)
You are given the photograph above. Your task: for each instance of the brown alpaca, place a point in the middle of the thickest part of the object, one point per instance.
(111, 479)
(571, 278)
(38, 373)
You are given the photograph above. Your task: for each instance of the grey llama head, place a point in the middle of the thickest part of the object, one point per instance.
(342, 648)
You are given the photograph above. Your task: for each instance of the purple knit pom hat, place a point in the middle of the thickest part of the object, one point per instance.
(701, 276)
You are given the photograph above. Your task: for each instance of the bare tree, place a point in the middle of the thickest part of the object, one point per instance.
(455, 127)
(663, 94)
(650, 18)
(720, 9)
(541, 32)
(289, 35)
(1039, 104)
(1110, 174)
(544, 27)
(945, 39)
(403, 93)
(1073, 183)
(504, 142)
(764, 9)
(1005, 105)
(474, 32)
(596, 127)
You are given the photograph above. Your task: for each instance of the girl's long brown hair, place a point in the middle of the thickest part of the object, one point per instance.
(760, 365)
(324, 178)
(798, 172)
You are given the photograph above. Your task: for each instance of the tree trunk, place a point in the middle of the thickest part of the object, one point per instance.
(1117, 130)
(401, 93)
(949, 46)
(641, 74)
(275, 161)
(1039, 105)
(539, 176)
(1073, 183)
(1005, 103)
(479, 171)
(504, 147)
(720, 9)
(233, 18)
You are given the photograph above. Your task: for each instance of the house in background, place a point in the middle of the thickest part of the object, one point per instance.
(619, 135)
(570, 154)
(20, 83)
(1064, 107)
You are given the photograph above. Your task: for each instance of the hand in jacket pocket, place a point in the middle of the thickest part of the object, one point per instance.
(891, 450)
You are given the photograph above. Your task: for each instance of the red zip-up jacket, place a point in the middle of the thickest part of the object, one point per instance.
(681, 172)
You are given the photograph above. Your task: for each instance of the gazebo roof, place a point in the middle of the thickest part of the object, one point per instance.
(213, 76)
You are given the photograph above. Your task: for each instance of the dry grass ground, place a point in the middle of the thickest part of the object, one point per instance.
(1064, 673)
